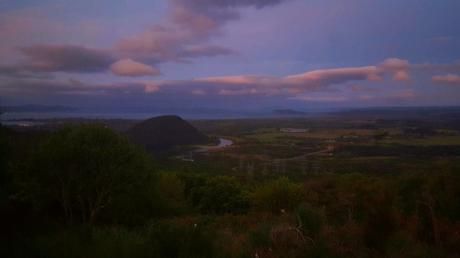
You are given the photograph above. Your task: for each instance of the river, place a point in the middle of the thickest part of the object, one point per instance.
(223, 143)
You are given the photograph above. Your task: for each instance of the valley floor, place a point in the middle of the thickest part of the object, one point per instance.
(328, 187)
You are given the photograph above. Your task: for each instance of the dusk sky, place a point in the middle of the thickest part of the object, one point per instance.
(230, 54)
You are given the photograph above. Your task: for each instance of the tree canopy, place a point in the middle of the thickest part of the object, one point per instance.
(86, 169)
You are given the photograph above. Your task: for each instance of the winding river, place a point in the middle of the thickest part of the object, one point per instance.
(223, 143)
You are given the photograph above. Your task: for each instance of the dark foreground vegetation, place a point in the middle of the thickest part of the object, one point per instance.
(87, 191)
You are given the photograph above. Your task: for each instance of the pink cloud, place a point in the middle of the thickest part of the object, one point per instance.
(399, 68)
(450, 79)
(294, 84)
(129, 67)
(226, 92)
(151, 86)
(395, 64)
(239, 79)
(401, 76)
(198, 92)
(325, 77)
(291, 85)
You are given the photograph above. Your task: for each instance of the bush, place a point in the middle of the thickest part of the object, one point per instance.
(83, 241)
(277, 195)
(171, 192)
(219, 195)
(176, 240)
(310, 220)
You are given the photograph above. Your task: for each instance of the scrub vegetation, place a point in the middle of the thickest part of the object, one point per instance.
(343, 188)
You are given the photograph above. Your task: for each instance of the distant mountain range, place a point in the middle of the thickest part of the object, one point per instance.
(288, 112)
(414, 112)
(37, 108)
(132, 112)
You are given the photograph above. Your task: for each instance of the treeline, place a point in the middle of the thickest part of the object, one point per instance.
(86, 191)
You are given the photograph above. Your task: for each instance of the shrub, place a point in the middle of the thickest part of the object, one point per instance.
(310, 220)
(171, 192)
(277, 195)
(218, 195)
(176, 240)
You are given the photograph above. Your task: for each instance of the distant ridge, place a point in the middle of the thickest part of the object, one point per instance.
(288, 112)
(37, 108)
(163, 132)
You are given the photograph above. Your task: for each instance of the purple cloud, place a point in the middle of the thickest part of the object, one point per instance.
(207, 51)
(190, 25)
(322, 85)
(32, 86)
(67, 58)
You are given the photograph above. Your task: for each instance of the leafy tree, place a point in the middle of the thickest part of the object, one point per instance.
(86, 169)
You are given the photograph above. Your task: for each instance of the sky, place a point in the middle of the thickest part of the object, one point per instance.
(230, 54)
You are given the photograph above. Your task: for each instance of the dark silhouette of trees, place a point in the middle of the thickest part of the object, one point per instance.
(86, 169)
(4, 160)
